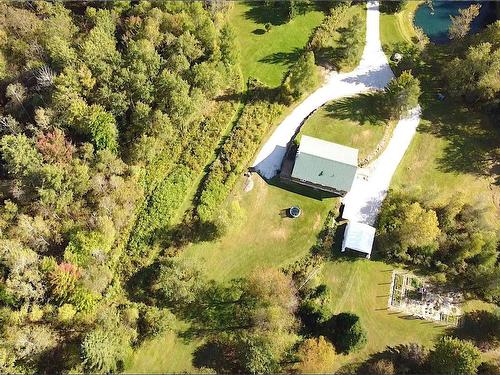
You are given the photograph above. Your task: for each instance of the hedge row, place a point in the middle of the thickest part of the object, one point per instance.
(255, 121)
(323, 34)
(169, 193)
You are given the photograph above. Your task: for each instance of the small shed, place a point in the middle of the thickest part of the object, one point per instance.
(325, 165)
(358, 237)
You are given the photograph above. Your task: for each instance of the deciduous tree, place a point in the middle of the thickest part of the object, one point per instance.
(402, 94)
(316, 356)
(454, 356)
(460, 24)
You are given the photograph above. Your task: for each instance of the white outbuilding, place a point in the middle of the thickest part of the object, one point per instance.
(358, 237)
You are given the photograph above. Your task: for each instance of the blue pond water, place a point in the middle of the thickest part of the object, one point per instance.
(436, 23)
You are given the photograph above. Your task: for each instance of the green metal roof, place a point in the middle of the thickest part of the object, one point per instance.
(324, 172)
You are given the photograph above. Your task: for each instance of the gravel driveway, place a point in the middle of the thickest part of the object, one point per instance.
(372, 73)
(362, 203)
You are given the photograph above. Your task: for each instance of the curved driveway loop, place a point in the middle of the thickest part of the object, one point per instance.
(362, 203)
(372, 73)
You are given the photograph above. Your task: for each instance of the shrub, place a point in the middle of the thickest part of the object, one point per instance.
(482, 327)
(454, 356)
(402, 94)
(104, 351)
(154, 321)
(346, 332)
(381, 367)
(65, 313)
(302, 77)
(315, 356)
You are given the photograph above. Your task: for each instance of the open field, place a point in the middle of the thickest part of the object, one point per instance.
(268, 55)
(167, 353)
(267, 239)
(395, 28)
(262, 237)
(451, 149)
(352, 122)
(362, 286)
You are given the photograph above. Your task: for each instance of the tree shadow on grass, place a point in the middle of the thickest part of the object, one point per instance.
(472, 143)
(259, 32)
(410, 358)
(472, 140)
(217, 308)
(360, 108)
(138, 285)
(283, 58)
(214, 355)
(275, 14)
(328, 57)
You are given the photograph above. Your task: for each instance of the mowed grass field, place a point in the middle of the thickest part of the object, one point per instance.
(265, 236)
(267, 56)
(395, 28)
(362, 286)
(267, 239)
(449, 153)
(352, 122)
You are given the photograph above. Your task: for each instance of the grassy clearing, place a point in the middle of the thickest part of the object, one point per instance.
(268, 55)
(327, 45)
(352, 122)
(263, 237)
(167, 353)
(362, 286)
(395, 28)
(428, 163)
(450, 150)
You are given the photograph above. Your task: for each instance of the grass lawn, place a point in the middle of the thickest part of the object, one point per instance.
(263, 237)
(395, 28)
(430, 164)
(267, 239)
(362, 286)
(352, 122)
(450, 151)
(167, 353)
(268, 55)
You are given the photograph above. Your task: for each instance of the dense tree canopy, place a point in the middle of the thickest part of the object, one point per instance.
(94, 98)
(454, 239)
(315, 356)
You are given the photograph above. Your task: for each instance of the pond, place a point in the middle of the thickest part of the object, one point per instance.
(435, 22)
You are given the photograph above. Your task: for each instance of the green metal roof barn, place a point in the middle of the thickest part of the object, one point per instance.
(325, 165)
